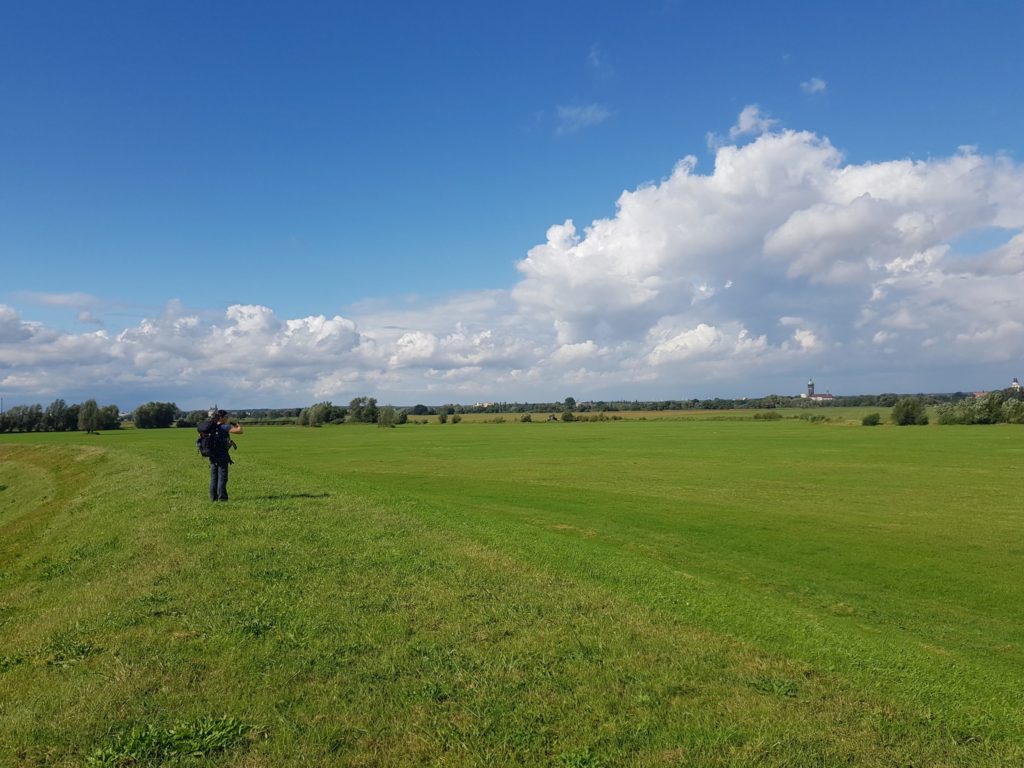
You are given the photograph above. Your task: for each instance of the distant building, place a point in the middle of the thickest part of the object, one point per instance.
(1014, 385)
(818, 398)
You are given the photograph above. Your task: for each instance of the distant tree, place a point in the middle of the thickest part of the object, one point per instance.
(319, 413)
(24, 418)
(55, 416)
(871, 420)
(568, 416)
(908, 411)
(6, 421)
(442, 416)
(990, 408)
(569, 403)
(71, 417)
(192, 419)
(143, 416)
(89, 417)
(419, 410)
(1013, 411)
(322, 413)
(389, 416)
(155, 415)
(363, 410)
(110, 417)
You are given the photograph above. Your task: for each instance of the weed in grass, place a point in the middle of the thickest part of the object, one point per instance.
(436, 691)
(186, 743)
(158, 605)
(7, 611)
(348, 655)
(257, 624)
(273, 575)
(51, 570)
(777, 686)
(579, 758)
(67, 649)
(9, 662)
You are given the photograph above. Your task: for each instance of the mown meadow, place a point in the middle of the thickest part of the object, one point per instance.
(679, 592)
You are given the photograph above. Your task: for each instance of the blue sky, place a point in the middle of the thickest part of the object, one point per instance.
(390, 166)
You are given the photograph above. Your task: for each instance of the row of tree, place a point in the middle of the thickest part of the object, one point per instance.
(155, 415)
(58, 416)
(322, 413)
(955, 408)
(250, 416)
(1000, 407)
(361, 410)
(884, 400)
(89, 416)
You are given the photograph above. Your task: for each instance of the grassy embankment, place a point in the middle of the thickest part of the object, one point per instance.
(678, 592)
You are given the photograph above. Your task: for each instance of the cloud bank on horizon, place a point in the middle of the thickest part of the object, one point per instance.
(780, 262)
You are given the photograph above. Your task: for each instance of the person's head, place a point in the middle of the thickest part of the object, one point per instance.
(220, 416)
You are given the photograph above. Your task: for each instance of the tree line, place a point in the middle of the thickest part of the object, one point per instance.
(361, 410)
(89, 416)
(952, 408)
(58, 416)
(883, 400)
(1000, 407)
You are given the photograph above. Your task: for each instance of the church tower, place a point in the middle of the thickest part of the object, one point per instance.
(810, 387)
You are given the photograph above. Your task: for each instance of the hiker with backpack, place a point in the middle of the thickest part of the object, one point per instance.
(214, 442)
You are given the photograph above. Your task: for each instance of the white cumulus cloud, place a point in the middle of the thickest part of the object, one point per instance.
(751, 121)
(780, 259)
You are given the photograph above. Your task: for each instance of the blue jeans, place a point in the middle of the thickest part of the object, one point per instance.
(218, 481)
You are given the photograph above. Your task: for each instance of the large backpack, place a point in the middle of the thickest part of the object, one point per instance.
(212, 443)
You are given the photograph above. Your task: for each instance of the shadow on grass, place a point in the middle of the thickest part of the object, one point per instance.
(279, 496)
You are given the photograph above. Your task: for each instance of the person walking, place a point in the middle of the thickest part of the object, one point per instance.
(220, 430)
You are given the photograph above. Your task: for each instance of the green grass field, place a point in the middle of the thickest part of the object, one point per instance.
(684, 592)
